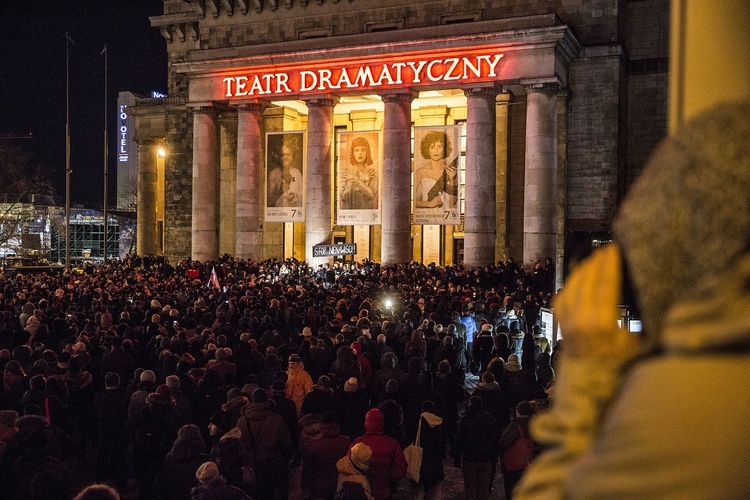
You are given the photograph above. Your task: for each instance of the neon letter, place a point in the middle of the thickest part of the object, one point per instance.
(417, 69)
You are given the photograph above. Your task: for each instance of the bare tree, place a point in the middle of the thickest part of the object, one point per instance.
(22, 188)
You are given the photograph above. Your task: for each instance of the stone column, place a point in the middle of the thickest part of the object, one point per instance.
(318, 207)
(249, 186)
(479, 217)
(146, 241)
(227, 182)
(205, 230)
(396, 185)
(540, 179)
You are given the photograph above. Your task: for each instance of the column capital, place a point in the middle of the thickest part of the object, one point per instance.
(532, 88)
(490, 90)
(402, 95)
(202, 108)
(250, 105)
(321, 101)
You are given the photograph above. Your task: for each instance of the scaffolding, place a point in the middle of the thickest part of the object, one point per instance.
(86, 238)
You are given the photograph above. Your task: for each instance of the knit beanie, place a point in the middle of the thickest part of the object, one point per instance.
(207, 472)
(351, 385)
(360, 454)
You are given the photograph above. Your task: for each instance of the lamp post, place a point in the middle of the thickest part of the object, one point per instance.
(106, 160)
(68, 41)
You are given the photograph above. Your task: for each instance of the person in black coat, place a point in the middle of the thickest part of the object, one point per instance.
(449, 385)
(482, 347)
(177, 478)
(154, 429)
(286, 409)
(111, 409)
(321, 399)
(213, 486)
(431, 474)
(477, 449)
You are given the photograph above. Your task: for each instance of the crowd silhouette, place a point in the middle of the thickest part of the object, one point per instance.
(164, 382)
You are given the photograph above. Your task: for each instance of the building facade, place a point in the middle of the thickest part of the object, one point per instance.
(546, 113)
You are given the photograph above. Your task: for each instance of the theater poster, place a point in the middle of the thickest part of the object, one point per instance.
(437, 155)
(285, 177)
(358, 178)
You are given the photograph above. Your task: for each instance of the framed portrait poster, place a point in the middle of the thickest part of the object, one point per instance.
(437, 155)
(285, 177)
(358, 178)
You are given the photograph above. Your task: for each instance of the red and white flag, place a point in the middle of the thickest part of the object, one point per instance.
(214, 279)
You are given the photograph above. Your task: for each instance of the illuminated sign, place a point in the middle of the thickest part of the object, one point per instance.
(423, 69)
(122, 143)
(157, 95)
(333, 250)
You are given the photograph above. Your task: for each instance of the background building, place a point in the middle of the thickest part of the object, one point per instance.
(127, 154)
(550, 140)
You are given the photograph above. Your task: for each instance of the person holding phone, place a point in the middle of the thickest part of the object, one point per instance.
(661, 413)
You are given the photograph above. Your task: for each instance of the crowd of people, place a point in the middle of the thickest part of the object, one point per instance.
(219, 379)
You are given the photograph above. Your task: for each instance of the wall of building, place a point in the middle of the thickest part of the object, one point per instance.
(614, 113)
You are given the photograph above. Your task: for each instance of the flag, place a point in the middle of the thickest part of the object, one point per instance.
(214, 279)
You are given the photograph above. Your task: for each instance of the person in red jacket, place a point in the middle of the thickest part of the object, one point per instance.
(387, 464)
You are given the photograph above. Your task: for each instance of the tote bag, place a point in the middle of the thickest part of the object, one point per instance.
(413, 455)
(518, 456)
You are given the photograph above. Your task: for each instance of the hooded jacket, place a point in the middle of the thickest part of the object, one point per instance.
(264, 433)
(647, 427)
(387, 462)
(431, 441)
(298, 384)
(349, 472)
(319, 474)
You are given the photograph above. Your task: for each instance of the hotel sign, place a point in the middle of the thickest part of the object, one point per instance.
(423, 69)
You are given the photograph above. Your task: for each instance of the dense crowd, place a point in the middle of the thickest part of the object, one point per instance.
(216, 380)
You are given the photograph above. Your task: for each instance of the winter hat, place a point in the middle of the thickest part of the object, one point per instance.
(278, 386)
(525, 409)
(486, 327)
(260, 396)
(294, 358)
(207, 472)
(374, 421)
(148, 376)
(360, 455)
(351, 385)
(513, 365)
(164, 391)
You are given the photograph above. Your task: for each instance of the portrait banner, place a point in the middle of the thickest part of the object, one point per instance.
(358, 178)
(437, 165)
(285, 177)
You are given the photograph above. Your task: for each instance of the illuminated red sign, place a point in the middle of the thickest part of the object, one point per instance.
(419, 70)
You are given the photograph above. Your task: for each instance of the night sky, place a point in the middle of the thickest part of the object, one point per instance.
(32, 82)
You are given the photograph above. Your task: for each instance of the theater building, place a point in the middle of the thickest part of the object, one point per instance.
(438, 131)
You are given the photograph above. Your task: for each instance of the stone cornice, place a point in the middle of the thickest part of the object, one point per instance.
(515, 32)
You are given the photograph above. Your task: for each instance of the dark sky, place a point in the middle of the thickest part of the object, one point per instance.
(32, 81)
